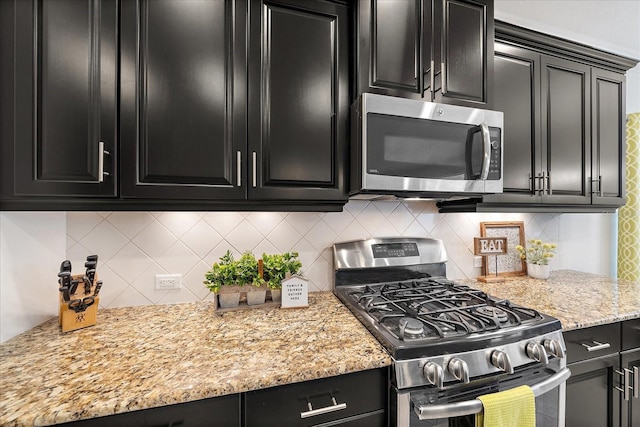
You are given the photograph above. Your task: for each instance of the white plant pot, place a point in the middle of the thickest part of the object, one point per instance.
(538, 271)
(276, 295)
(256, 297)
(227, 300)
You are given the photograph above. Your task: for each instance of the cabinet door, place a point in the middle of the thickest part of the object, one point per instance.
(592, 399)
(608, 137)
(218, 411)
(630, 414)
(566, 141)
(394, 47)
(517, 94)
(463, 51)
(298, 100)
(183, 89)
(65, 70)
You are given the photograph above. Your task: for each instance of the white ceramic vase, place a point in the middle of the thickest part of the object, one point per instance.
(538, 271)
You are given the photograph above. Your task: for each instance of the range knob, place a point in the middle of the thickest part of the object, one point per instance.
(459, 369)
(501, 360)
(537, 352)
(553, 347)
(434, 374)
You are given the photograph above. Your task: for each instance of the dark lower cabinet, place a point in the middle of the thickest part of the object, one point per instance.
(591, 397)
(605, 371)
(219, 411)
(64, 98)
(357, 399)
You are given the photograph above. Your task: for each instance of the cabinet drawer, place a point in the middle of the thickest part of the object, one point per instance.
(592, 342)
(357, 394)
(630, 334)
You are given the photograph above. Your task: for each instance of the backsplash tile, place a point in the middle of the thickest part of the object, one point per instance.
(135, 246)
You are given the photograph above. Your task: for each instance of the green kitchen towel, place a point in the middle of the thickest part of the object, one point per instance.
(629, 215)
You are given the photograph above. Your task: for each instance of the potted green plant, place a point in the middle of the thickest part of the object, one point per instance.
(276, 268)
(537, 255)
(248, 274)
(222, 280)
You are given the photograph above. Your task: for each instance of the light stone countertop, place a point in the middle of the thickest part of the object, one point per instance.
(579, 300)
(144, 357)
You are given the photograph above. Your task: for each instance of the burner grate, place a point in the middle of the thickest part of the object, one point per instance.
(436, 307)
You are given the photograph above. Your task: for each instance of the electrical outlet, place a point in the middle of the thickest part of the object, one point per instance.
(168, 281)
(477, 261)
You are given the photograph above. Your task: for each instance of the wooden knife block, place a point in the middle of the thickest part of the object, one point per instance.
(70, 320)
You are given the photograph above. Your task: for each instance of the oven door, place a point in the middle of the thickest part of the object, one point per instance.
(457, 406)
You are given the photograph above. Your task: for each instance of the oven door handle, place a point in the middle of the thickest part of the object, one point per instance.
(471, 407)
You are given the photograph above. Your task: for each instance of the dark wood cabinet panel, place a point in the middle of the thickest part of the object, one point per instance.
(182, 106)
(466, 51)
(608, 137)
(433, 50)
(591, 397)
(566, 124)
(65, 70)
(286, 404)
(630, 411)
(298, 100)
(517, 95)
(218, 411)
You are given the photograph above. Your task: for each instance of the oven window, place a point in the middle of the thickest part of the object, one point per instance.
(407, 147)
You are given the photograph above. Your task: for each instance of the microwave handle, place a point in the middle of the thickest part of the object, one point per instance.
(474, 406)
(486, 156)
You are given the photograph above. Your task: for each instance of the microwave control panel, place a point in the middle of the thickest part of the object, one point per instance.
(495, 161)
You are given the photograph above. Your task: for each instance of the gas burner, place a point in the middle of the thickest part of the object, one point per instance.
(494, 312)
(410, 326)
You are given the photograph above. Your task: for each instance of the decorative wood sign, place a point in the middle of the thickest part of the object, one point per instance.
(510, 263)
(295, 292)
(489, 245)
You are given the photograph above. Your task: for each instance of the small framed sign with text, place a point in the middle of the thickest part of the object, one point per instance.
(295, 292)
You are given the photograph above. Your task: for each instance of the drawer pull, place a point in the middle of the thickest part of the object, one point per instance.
(597, 346)
(313, 412)
(636, 382)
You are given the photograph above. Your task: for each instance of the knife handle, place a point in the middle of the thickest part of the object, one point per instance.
(96, 291)
(65, 266)
(65, 293)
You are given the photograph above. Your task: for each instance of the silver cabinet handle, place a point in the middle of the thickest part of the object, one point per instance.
(443, 78)
(549, 191)
(636, 382)
(599, 181)
(101, 153)
(432, 80)
(239, 168)
(470, 407)
(626, 383)
(597, 346)
(327, 409)
(255, 168)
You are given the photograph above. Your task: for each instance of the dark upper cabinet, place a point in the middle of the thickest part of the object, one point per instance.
(608, 137)
(564, 124)
(565, 119)
(517, 95)
(64, 85)
(440, 50)
(298, 100)
(183, 99)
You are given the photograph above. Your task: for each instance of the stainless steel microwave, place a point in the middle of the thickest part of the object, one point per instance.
(407, 148)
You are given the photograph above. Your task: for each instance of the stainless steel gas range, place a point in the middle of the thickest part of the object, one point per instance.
(450, 343)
